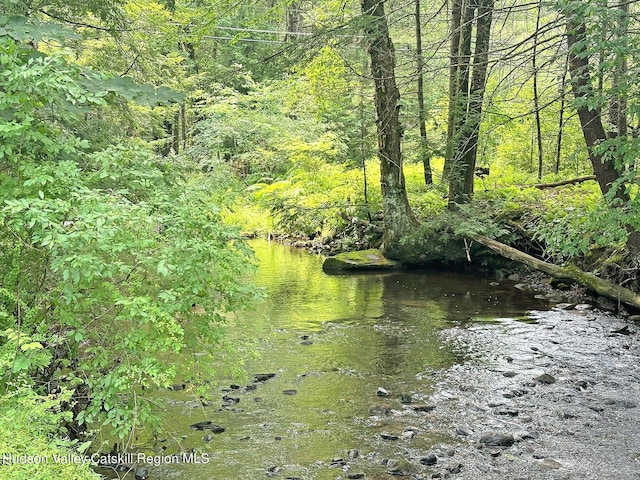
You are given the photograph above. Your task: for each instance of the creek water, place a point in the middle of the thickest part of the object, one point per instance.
(332, 343)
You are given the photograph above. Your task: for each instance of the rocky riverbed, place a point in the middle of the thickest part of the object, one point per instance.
(416, 375)
(553, 399)
(553, 396)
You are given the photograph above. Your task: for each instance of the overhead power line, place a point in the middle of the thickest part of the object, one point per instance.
(241, 39)
(237, 29)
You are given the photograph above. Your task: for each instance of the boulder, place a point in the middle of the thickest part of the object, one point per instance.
(363, 260)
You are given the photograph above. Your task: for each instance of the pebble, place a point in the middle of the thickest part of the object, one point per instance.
(208, 425)
(506, 411)
(406, 398)
(515, 393)
(545, 378)
(494, 439)
(622, 331)
(409, 434)
(290, 392)
(379, 410)
(620, 403)
(430, 459)
(584, 306)
(263, 377)
(381, 392)
(524, 435)
(142, 473)
(423, 408)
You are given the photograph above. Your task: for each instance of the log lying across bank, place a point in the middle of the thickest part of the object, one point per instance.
(597, 284)
(573, 181)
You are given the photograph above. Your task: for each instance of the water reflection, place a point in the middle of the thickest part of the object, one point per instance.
(334, 340)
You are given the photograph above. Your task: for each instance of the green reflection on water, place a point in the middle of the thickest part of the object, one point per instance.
(361, 332)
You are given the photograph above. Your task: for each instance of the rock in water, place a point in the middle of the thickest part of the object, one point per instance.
(494, 439)
(142, 474)
(423, 408)
(202, 425)
(208, 425)
(545, 378)
(357, 261)
(430, 459)
(263, 377)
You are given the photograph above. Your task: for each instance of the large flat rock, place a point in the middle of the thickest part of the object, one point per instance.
(363, 260)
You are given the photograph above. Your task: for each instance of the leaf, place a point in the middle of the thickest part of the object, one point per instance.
(23, 29)
(128, 88)
(21, 363)
(162, 268)
(31, 346)
(83, 447)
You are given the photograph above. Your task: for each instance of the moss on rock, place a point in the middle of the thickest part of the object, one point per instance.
(371, 259)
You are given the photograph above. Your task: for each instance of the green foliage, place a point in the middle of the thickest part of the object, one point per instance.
(30, 425)
(317, 200)
(22, 29)
(103, 254)
(577, 220)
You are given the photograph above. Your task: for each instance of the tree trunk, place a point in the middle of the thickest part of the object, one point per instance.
(618, 101)
(464, 162)
(454, 58)
(399, 220)
(590, 118)
(573, 181)
(536, 100)
(563, 91)
(424, 151)
(175, 141)
(294, 21)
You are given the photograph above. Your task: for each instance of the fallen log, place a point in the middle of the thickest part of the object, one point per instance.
(573, 274)
(573, 181)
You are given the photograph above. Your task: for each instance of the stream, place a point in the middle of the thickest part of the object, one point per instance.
(412, 375)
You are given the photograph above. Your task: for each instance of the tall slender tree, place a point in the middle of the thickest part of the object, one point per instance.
(464, 156)
(536, 96)
(399, 220)
(424, 147)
